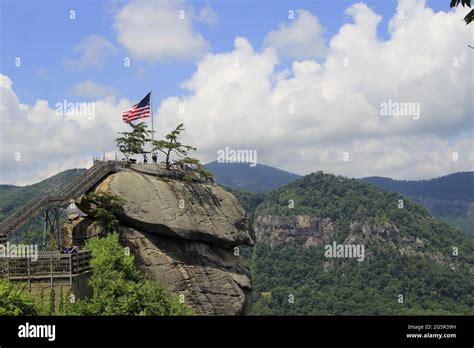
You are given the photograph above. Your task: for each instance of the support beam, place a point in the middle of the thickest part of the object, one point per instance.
(52, 226)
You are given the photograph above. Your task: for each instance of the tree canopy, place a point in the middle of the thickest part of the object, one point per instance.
(132, 143)
(119, 288)
(171, 145)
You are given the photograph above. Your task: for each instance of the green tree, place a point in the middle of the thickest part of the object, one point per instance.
(107, 208)
(119, 288)
(171, 145)
(52, 304)
(132, 143)
(13, 301)
(61, 301)
(194, 169)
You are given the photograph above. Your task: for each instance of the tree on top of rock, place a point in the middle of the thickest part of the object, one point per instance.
(171, 145)
(132, 143)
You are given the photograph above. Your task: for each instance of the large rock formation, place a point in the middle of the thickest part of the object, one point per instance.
(183, 235)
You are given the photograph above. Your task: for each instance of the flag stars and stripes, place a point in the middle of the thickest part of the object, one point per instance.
(137, 111)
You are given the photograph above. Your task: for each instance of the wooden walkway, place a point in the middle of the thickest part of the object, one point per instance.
(49, 265)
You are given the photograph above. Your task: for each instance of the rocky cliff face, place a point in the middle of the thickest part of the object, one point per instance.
(309, 231)
(183, 235)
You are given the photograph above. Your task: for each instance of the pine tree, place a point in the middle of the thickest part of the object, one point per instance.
(132, 143)
(171, 145)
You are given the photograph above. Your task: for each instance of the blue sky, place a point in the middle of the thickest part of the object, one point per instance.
(41, 33)
(232, 71)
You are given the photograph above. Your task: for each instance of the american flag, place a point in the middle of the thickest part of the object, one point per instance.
(140, 110)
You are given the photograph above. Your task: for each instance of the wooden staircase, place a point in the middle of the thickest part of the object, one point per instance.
(73, 190)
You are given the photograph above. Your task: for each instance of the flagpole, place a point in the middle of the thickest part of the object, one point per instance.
(152, 126)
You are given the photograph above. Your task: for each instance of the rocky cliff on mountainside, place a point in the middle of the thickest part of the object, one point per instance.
(307, 231)
(183, 235)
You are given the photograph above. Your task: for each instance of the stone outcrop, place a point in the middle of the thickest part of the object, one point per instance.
(184, 235)
(299, 230)
(211, 279)
(307, 231)
(179, 209)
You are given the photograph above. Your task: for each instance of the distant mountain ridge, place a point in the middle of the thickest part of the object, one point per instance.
(449, 198)
(260, 178)
(13, 197)
(459, 186)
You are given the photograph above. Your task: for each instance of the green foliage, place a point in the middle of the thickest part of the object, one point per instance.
(40, 304)
(13, 301)
(449, 198)
(249, 200)
(32, 234)
(52, 299)
(194, 169)
(132, 143)
(171, 145)
(356, 288)
(61, 301)
(107, 209)
(462, 219)
(120, 289)
(324, 286)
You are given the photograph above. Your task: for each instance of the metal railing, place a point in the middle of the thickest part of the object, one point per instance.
(50, 264)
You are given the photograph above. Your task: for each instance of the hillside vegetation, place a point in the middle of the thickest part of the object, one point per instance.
(449, 198)
(415, 260)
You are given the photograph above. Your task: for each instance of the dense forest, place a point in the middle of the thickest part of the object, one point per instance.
(118, 288)
(290, 279)
(449, 198)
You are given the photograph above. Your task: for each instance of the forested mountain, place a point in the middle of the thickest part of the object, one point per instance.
(450, 198)
(13, 197)
(413, 264)
(407, 252)
(260, 178)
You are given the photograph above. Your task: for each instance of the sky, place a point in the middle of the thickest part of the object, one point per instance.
(353, 88)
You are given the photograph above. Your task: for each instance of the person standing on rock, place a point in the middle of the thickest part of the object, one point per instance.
(145, 160)
(154, 158)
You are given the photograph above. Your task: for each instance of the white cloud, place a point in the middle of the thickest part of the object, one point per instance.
(45, 142)
(337, 107)
(91, 89)
(241, 100)
(301, 38)
(208, 16)
(153, 30)
(91, 51)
